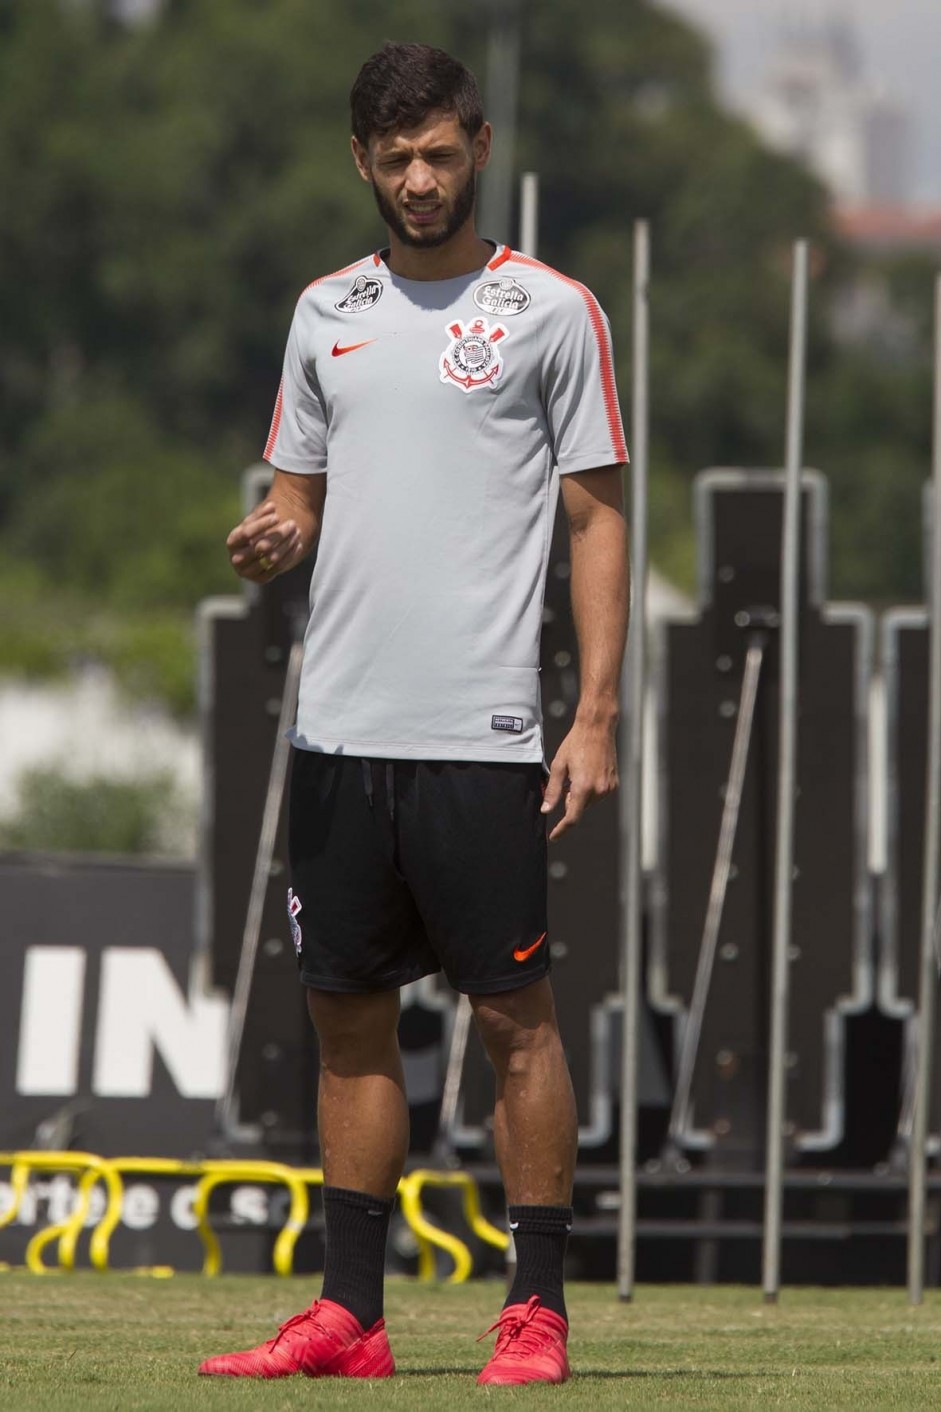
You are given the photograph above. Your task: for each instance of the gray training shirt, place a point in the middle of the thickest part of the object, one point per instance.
(443, 412)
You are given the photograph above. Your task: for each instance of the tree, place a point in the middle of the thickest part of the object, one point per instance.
(179, 182)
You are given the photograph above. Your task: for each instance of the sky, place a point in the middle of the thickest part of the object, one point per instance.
(900, 41)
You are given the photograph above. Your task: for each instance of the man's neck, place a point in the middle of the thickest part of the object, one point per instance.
(464, 253)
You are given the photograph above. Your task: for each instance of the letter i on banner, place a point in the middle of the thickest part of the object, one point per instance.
(51, 1020)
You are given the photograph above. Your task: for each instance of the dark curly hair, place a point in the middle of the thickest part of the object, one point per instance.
(401, 84)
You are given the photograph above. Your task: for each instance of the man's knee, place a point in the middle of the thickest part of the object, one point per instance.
(515, 1024)
(353, 1023)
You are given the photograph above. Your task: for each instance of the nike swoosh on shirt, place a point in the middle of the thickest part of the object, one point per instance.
(523, 953)
(338, 352)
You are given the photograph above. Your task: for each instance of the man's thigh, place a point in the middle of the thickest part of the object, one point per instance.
(472, 847)
(353, 918)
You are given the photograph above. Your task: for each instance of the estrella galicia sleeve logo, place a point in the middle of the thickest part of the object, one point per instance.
(502, 296)
(363, 294)
(473, 359)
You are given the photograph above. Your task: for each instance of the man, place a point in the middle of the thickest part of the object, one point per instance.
(434, 395)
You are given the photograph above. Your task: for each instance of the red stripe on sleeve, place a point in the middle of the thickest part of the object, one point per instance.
(605, 357)
(275, 422)
(346, 270)
(279, 400)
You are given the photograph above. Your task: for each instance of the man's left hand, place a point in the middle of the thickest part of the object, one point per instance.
(585, 768)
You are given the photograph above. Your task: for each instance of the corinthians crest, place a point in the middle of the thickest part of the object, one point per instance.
(473, 358)
(294, 906)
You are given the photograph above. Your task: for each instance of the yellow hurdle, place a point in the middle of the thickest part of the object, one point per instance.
(67, 1232)
(99, 1249)
(221, 1172)
(19, 1180)
(210, 1173)
(429, 1235)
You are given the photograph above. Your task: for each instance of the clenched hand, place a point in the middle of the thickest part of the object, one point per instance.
(264, 544)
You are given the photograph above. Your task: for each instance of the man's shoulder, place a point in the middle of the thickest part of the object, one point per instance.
(355, 284)
(550, 286)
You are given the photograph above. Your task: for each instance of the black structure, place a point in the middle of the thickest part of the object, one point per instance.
(739, 524)
(114, 1001)
(111, 1042)
(905, 664)
(245, 643)
(700, 1199)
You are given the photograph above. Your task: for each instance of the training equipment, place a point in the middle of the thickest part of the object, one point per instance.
(530, 1346)
(326, 1341)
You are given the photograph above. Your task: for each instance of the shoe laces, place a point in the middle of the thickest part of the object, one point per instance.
(515, 1326)
(304, 1317)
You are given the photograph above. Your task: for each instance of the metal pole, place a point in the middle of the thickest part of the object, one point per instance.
(227, 1103)
(787, 775)
(928, 969)
(632, 792)
(529, 213)
(503, 70)
(451, 1093)
(720, 883)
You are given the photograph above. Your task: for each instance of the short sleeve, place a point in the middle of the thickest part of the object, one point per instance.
(581, 398)
(297, 440)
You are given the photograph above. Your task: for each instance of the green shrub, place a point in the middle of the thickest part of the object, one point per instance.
(96, 815)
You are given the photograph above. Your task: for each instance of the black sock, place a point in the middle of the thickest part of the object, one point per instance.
(540, 1234)
(356, 1226)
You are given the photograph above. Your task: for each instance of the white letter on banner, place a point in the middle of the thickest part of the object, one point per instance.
(142, 1008)
(51, 1020)
(181, 1208)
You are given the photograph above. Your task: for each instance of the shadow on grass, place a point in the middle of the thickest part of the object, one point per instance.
(698, 1374)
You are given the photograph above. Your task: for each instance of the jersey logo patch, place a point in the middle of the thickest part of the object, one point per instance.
(502, 296)
(473, 359)
(363, 294)
(338, 352)
(507, 723)
(294, 906)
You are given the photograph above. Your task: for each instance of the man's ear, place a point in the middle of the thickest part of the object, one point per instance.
(483, 142)
(361, 158)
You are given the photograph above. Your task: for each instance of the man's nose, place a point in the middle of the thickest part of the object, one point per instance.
(419, 179)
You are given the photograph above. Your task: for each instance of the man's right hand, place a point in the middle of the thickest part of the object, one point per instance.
(265, 544)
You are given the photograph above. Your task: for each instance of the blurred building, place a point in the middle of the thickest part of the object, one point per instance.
(889, 230)
(817, 104)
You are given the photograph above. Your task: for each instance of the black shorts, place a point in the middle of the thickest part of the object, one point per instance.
(400, 868)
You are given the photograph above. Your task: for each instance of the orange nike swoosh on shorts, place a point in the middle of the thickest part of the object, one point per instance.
(523, 953)
(338, 352)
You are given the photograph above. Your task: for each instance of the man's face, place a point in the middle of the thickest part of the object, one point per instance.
(424, 179)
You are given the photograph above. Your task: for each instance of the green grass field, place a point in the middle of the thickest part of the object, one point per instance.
(124, 1341)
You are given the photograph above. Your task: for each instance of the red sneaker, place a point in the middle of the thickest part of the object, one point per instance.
(326, 1341)
(530, 1346)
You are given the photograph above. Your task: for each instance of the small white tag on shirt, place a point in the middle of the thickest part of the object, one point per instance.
(507, 723)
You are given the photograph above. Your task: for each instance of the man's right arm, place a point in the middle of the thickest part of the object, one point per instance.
(277, 534)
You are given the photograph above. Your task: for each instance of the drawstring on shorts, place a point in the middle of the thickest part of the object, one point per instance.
(390, 785)
(367, 780)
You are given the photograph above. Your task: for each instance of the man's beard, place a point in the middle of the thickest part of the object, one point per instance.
(420, 240)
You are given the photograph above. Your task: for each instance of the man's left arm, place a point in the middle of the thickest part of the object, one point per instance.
(585, 766)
